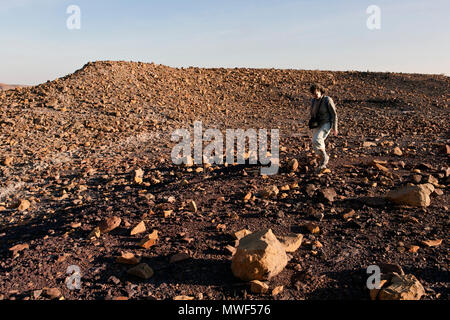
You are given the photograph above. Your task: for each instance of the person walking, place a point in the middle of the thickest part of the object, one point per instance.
(323, 120)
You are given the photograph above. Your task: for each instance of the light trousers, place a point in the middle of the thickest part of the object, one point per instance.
(319, 136)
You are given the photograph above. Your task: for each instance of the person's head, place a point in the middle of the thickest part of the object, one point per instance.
(317, 90)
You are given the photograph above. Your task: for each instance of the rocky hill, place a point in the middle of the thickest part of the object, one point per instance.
(9, 86)
(74, 149)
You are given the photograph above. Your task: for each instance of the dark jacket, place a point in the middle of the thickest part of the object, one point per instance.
(326, 111)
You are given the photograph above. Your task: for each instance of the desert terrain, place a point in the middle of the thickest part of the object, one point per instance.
(96, 144)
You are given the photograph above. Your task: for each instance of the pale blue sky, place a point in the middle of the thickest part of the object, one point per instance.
(36, 46)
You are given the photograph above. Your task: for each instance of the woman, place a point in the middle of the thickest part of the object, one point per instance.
(323, 120)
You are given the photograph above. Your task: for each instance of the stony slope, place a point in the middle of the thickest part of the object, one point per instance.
(72, 145)
(9, 86)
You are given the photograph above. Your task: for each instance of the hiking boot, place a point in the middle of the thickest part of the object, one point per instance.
(324, 163)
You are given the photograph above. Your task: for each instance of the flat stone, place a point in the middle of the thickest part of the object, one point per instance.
(52, 293)
(277, 290)
(412, 195)
(183, 298)
(368, 144)
(149, 240)
(258, 287)
(109, 224)
(291, 242)
(128, 258)
(178, 257)
(238, 235)
(139, 228)
(328, 194)
(432, 243)
(397, 151)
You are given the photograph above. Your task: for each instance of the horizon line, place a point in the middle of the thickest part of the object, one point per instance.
(224, 67)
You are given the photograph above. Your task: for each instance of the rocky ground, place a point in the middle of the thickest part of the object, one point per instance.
(9, 86)
(70, 149)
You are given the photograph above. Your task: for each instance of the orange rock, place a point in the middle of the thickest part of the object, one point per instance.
(128, 258)
(221, 227)
(19, 247)
(397, 151)
(192, 206)
(368, 144)
(95, 233)
(75, 225)
(231, 249)
(402, 287)
(349, 214)
(381, 168)
(248, 196)
(167, 213)
(291, 241)
(183, 298)
(138, 229)
(138, 177)
(8, 161)
(238, 235)
(432, 243)
(313, 228)
(292, 165)
(149, 240)
(109, 224)
(375, 161)
(260, 256)
(412, 195)
(258, 287)
(52, 293)
(270, 192)
(277, 290)
(317, 244)
(62, 258)
(24, 205)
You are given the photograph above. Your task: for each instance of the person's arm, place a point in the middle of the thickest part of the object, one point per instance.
(311, 108)
(334, 118)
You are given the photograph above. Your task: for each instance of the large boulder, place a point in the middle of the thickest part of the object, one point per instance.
(402, 287)
(259, 256)
(412, 195)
